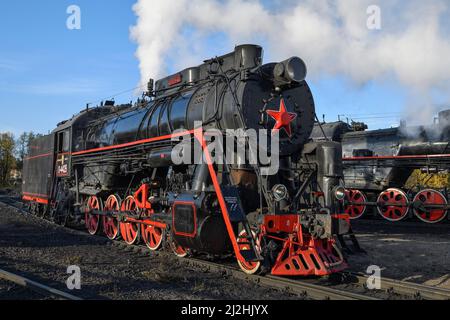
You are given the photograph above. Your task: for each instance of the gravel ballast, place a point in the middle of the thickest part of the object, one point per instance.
(42, 251)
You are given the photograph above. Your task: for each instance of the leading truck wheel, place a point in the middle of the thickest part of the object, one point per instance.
(243, 243)
(93, 220)
(356, 209)
(393, 205)
(430, 197)
(178, 250)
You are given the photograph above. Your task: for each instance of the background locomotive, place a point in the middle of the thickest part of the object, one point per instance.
(394, 171)
(112, 166)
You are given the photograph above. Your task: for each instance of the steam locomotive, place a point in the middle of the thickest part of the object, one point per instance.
(112, 167)
(380, 165)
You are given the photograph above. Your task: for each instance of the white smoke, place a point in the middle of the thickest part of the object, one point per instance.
(412, 47)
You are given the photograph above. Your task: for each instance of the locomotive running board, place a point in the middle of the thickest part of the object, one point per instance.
(231, 208)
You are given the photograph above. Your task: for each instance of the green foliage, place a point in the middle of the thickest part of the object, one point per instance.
(23, 144)
(7, 159)
(12, 154)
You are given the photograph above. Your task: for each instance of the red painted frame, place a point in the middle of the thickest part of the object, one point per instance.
(35, 199)
(39, 156)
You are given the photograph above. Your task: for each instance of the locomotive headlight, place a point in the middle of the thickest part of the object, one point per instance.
(290, 70)
(339, 193)
(280, 192)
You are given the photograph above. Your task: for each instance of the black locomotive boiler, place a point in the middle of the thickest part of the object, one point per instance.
(380, 167)
(112, 166)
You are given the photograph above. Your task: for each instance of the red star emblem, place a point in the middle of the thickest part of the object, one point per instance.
(283, 118)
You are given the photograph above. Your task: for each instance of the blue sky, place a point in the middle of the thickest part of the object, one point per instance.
(48, 73)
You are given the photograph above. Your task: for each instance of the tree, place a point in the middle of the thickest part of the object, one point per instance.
(23, 145)
(7, 160)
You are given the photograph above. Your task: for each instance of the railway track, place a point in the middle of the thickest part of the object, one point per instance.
(37, 287)
(300, 288)
(415, 290)
(308, 289)
(311, 289)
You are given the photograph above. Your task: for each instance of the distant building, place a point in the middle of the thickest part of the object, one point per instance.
(15, 174)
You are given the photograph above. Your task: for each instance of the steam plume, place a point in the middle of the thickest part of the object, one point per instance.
(412, 47)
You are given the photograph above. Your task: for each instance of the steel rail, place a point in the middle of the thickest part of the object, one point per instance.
(309, 290)
(418, 291)
(35, 286)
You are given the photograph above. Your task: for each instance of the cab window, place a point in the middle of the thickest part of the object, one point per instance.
(63, 141)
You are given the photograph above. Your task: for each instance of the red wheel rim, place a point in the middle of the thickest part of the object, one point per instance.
(355, 211)
(92, 220)
(393, 212)
(248, 267)
(128, 230)
(110, 224)
(430, 197)
(152, 237)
